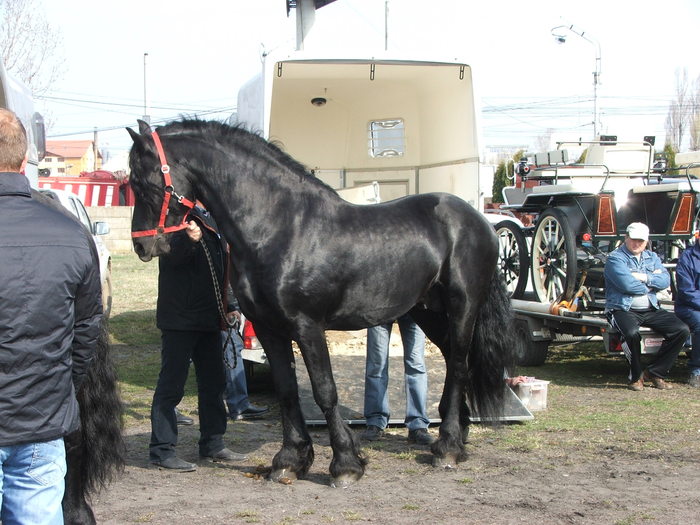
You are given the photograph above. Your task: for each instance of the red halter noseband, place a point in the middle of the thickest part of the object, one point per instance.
(169, 190)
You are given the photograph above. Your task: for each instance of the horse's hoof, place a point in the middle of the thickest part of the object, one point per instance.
(343, 482)
(283, 476)
(449, 462)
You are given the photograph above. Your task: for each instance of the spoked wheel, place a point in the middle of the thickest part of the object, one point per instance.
(513, 262)
(553, 258)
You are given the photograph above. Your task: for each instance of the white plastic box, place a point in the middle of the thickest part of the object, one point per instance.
(533, 394)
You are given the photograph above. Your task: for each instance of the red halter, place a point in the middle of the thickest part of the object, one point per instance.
(169, 190)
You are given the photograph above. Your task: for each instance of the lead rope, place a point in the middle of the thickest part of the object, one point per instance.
(230, 325)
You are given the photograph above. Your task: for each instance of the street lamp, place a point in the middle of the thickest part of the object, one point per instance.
(559, 34)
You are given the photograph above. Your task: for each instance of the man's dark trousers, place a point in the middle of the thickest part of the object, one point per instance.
(204, 349)
(663, 322)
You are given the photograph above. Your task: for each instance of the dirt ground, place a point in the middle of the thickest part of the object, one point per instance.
(557, 477)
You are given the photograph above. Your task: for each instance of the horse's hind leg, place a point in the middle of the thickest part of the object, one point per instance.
(448, 449)
(297, 454)
(437, 329)
(348, 463)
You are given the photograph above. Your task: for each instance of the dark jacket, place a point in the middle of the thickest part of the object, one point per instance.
(688, 281)
(50, 315)
(186, 297)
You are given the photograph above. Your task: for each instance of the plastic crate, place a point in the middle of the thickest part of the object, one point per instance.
(533, 394)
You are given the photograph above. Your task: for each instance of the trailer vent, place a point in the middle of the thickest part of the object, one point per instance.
(387, 138)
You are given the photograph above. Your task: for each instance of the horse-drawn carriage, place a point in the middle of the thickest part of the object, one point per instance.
(578, 213)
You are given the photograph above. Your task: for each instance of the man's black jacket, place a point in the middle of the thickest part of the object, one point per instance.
(186, 298)
(50, 314)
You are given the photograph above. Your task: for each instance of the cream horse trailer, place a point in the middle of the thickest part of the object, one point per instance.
(409, 125)
(17, 97)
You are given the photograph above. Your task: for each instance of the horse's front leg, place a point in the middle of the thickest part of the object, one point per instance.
(348, 463)
(297, 454)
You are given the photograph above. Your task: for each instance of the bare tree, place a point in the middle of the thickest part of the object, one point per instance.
(694, 116)
(29, 44)
(543, 142)
(677, 116)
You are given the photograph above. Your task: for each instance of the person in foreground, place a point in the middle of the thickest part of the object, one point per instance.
(377, 380)
(188, 317)
(50, 315)
(633, 276)
(687, 304)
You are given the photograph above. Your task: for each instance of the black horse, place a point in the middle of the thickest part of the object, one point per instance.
(304, 261)
(95, 453)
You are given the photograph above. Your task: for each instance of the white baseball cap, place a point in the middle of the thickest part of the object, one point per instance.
(638, 230)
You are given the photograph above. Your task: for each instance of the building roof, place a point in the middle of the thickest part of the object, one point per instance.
(68, 149)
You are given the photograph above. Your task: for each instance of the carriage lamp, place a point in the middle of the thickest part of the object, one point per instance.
(318, 101)
(586, 237)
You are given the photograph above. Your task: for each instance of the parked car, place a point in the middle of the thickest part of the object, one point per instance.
(72, 203)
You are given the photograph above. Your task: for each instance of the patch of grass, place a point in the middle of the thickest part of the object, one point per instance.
(351, 515)
(249, 516)
(465, 481)
(410, 506)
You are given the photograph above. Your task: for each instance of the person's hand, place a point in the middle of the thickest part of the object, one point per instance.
(194, 232)
(641, 276)
(656, 271)
(235, 314)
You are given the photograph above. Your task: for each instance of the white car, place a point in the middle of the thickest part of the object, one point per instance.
(72, 203)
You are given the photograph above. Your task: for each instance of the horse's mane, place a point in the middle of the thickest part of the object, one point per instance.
(213, 131)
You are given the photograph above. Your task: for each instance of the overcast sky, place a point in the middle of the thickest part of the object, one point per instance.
(199, 53)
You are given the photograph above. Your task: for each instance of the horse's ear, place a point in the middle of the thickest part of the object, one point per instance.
(144, 127)
(134, 136)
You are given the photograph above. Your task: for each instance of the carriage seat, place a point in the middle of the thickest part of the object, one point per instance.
(662, 188)
(565, 188)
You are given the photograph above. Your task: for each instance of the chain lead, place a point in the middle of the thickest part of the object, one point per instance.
(230, 325)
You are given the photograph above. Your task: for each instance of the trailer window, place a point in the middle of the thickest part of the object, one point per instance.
(387, 138)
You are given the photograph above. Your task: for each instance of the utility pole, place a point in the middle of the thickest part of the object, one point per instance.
(146, 116)
(94, 150)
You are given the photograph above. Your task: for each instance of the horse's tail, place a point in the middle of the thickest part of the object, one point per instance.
(102, 449)
(492, 353)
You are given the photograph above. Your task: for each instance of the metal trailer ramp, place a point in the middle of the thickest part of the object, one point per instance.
(349, 374)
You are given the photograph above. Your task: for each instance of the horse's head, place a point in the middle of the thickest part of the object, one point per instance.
(161, 205)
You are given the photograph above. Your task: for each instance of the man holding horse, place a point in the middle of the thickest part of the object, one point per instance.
(50, 315)
(187, 314)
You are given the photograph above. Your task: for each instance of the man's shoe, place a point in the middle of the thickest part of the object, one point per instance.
(637, 385)
(175, 463)
(183, 419)
(657, 381)
(252, 412)
(224, 455)
(371, 433)
(694, 381)
(420, 436)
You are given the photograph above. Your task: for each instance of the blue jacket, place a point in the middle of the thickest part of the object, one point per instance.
(688, 280)
(621, 286)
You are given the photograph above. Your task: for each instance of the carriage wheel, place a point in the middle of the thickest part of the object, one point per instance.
(513, 262)
(553, 258)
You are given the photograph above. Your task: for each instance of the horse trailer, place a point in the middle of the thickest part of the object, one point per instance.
(410, 125)
(17, 97)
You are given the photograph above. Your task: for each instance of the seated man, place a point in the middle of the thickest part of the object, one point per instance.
(687, 304)
(633, 275)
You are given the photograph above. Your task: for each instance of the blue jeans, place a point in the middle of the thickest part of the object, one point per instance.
(236, 385)
(32, 483)
(692, 319)
(377, 374)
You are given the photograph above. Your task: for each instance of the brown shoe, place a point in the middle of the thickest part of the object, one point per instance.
(637, 385)
(656, 381)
